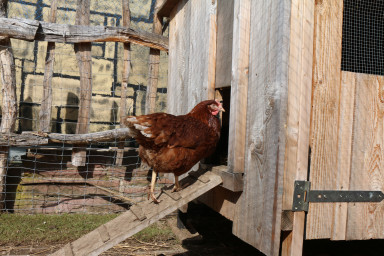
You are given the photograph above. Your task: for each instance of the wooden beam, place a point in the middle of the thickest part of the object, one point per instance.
(231, 181)
(225, 20)
(239, 86)
(298, 115)
(325, 112)
(25, 29)
(345, 150)
(166, 7)
(109, 135)
(143, 215)
(258, 213)
(84, 60)
(46, 103)
(125, 80)
(21, 140)
(212, 28)
(154, 61)
(9, 106)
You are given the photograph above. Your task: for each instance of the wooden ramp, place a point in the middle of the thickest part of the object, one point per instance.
(140, 216)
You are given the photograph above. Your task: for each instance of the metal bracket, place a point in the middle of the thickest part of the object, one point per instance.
(302, 196)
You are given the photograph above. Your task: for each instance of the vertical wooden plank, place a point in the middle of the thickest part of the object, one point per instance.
(258, 214)
(178, 67)
(366, 220)
(154, 61)
(347, 108)
(199, 77)
(212, 27)
(299, 97)
(224, 43)
(191, 70)
(325, 112)
(125, 79)
(298, 115)
(84, 59)
(239, 86)
(46, 103)
(9, 106)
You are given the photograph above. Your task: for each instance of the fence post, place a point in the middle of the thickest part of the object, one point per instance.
(83, 55)
(124, 83)
(154, 61)
(9, 107)
(46, 103)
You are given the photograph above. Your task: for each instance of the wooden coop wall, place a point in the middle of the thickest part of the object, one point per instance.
(258, 106)
(347, 135)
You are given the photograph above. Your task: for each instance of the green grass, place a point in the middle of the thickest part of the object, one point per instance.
(16, 229)
(158, 231)
(41, 228)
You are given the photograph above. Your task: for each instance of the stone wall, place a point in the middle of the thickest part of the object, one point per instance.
(106, 67)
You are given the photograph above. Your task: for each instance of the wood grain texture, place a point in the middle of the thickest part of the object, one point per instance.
(344, 157)
(200, 79)
(109, 135)
(190, 63)
(9, 104)
(126, 16)
(127, 224)
(239, 86)
(178, 63)
(212, 51)
(126, 63)
(63, 33)
(325, 112)
(225, 12)
(84, 60)
(366, 220)
(299, 97)
(153, 67)
(21, 140)
(45, 113)
(258, 214)
(8, 80)
(298, 115)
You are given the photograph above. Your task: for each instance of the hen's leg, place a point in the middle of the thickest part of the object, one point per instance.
(177, 184)
(152, 188)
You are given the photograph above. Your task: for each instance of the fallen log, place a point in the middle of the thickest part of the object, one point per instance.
(26, 29)
(109, 135)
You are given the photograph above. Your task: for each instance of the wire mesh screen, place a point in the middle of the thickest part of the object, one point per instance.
(363, 37)
(42, 179)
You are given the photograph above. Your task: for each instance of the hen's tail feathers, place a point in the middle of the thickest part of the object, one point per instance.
(138, 126)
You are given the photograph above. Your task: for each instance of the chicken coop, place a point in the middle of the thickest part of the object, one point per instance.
(302, 84)
(301, 81)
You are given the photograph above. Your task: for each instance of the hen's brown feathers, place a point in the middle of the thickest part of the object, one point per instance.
(171, 143)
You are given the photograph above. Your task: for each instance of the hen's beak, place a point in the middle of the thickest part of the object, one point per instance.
(220, 107)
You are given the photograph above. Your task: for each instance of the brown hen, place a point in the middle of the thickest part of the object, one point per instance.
(175, 144)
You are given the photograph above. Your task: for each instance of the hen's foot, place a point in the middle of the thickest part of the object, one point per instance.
(153, 198)
(176, 189)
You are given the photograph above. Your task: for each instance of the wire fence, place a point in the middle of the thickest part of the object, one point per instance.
(42, 179)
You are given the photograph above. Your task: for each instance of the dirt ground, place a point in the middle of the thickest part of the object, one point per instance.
(210, 234)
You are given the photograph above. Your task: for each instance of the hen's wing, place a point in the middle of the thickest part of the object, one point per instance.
(161, 129)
